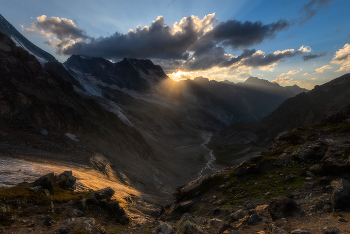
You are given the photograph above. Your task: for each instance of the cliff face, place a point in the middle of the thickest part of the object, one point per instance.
(43, 102)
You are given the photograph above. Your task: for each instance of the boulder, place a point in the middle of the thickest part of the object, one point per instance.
(284, 207)
(105, 193)
(317, 169)
(330, 230)
(253, 219)
(46, 182)
(66, 181)
(309, 185)
(334, 166)
(176, 210)
(341, 195)
(190, 189)
(187, 225)
(324, 180)
(303, 152)
(256, 158)
(240, 170)
(300, 231)
(239, 214)
(253, 168)
(165, 228)
(117, 212)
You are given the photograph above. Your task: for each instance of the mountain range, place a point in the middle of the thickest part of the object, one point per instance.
(150, 131)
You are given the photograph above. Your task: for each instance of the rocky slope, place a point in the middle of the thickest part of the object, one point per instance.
(301, 110)
(301, 185)
(41, 55)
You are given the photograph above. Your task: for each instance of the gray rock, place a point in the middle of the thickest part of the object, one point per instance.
(165, 228)
(341, 219)
(253, 219)
(118, 213)
(341, 196)
(335, 166)
(66, 181)
(63, 230)
(330, 230)
(77, 213)
(299, 231)
(215, 222)
(284, 207)
(46, 182)
(303, 152)
(324, 180)
(317, 169)
(216, 211)
(187, 225)
(191, 188)
(221, 201)
(309, 185)
(238, 215)
(105, 193)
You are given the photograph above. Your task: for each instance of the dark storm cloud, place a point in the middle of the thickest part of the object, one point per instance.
(156, 41)
(159, 41)
(309, 10)
(261, 60)
(313, 56)
(237, 34)
(192, 44)
(250, 58)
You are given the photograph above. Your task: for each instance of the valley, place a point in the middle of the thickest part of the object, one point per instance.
(120, 147)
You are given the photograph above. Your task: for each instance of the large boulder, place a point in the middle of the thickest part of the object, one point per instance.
(190, 189)
(46, 182)
(303, 152)
(118, 213)
(284, 207)
(334, 166)
(66, 181)
(106, 193)
(164, 228)
(187, 225)
(341, 195)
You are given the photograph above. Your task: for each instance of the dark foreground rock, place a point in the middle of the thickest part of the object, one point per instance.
(341, 195)
(284, 207)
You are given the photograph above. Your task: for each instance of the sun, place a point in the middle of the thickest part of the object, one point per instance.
(180, 75)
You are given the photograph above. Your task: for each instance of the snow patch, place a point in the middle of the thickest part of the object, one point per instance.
(114, 108)
(71, 136)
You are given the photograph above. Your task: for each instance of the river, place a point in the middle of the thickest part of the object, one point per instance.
(209, 166)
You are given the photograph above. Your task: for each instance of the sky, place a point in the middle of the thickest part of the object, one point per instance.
(303, 42)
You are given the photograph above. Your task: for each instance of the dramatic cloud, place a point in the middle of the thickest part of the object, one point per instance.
(284, 80)
(63, 30)
(309, 10)
(236, 34)
(190, 39)
(313, 56)
(321, 69)
(155, 41)
(289, 73)
(342, 57)
(259, 59)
